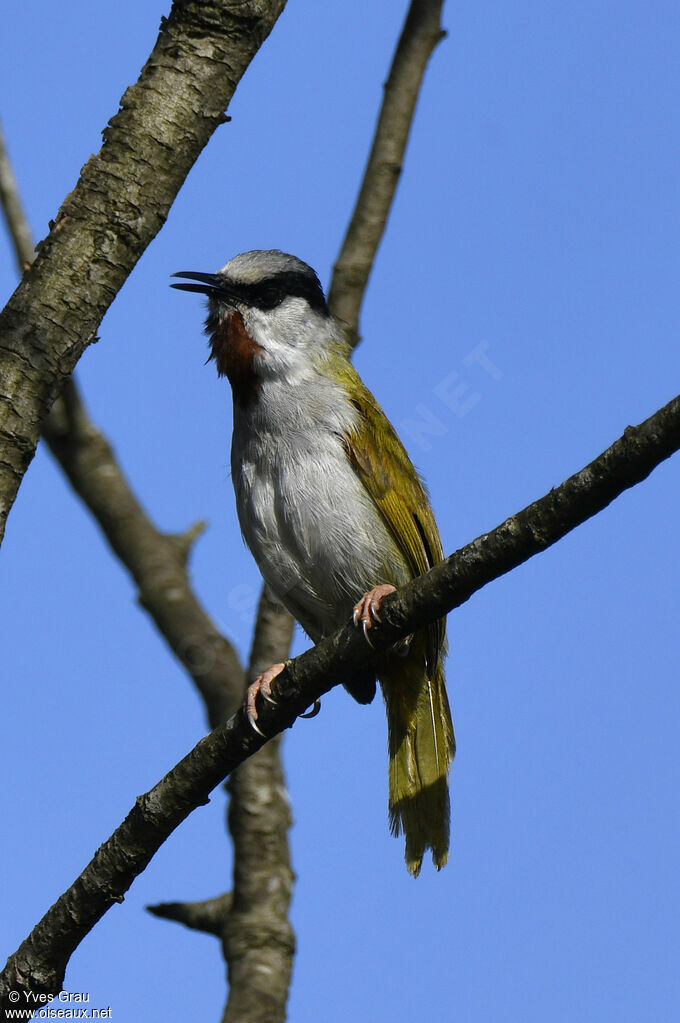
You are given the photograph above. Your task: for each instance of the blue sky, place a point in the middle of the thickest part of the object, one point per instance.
(536, 223)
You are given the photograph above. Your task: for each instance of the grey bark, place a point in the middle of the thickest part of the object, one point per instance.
(258, 939)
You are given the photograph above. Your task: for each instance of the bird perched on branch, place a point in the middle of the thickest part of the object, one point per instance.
(332, 510)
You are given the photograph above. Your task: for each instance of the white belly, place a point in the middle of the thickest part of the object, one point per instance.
(318, 538)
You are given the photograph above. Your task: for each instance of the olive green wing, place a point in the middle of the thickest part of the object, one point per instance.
(388, 475)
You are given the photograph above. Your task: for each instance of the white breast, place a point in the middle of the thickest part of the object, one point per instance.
(317, 537)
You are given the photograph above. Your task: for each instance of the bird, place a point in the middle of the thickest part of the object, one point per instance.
(333, 511)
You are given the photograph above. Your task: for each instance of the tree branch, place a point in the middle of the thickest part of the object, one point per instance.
(10, 200)
(39, 963)
(119, 204)
(258, 939)
(420, 34)
(252, 920)
(207, 916)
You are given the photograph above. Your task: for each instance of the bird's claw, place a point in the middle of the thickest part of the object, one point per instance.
(261, 686)
(253, 725)
(316, 707)
(367, 610)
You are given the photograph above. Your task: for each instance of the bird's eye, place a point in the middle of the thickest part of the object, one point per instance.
(269, 297)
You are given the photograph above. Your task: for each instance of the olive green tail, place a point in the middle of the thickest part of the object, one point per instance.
(421, 748)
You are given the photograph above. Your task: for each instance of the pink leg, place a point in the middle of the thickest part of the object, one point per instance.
(263, 685)
(366, 611)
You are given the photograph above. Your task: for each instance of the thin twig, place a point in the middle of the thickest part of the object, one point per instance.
(207, 916)
(13, 210)
(39, 963)
(420, 34)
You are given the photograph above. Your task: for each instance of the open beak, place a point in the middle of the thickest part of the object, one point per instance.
(206, 283)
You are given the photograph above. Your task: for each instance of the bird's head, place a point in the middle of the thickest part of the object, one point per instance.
(267, 317)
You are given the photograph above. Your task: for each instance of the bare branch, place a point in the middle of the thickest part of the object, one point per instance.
(184, 542)
(10, 200)
(252, 921)
(420, 34)
(102, 229)
(39, 963)
(258, 939)
(208, 916)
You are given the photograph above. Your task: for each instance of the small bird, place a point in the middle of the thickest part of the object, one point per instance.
(332, 510)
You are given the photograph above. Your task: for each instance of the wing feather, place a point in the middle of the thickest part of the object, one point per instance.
(390, 478)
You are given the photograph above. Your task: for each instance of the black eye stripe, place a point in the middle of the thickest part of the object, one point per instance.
(273, 290)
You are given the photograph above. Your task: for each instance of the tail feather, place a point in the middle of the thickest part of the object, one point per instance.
(421, 749)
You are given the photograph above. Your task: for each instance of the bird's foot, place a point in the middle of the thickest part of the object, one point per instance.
(366, 611)
(262, 686)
